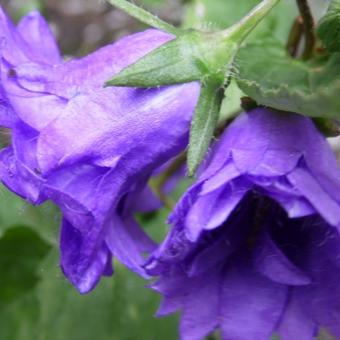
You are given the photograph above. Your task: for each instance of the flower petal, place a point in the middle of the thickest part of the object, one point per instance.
(294, 323)
(227, 173)
(19, 178)
(12, 46)
(271, 262)
(252, 304)
(37, 35)
(145, 114)
(83, 274)
(321, 201)
(123, 244)
(200, 310)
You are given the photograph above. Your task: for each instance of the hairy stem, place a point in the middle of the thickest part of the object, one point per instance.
(143, 16)
(246, 25)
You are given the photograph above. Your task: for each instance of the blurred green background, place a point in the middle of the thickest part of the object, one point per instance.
(36, 301)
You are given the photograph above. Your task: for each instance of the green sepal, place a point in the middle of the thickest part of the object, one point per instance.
(191, 56)
(273, 78)
(204, 123)
(329, 27)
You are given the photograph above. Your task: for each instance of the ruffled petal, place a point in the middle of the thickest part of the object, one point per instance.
(145, 201)
(271, 262)
(184, 204)
(199, 214)
(78, 191)
(105, 117)
(36, 109)
(84, 272)
(314, 193)
(7, 115)
(12, 46)
(294, 323)
(36, 33)
(124, 246)
(169, 305)
(320, 301)
(100, 66)
(252, 304)
(294, 206)
(218, 248)
(173, 284)
(200, 310)
(228, 201)
(19, 178)
(34, 88)
(227, 173)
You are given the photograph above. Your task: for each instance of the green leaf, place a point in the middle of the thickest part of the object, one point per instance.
(21, 250)
(329, 27)
(19, 319)
(204, 123)
(272, 78)
(115, 310)
(15, 211)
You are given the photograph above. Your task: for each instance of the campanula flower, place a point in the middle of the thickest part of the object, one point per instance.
(254, 244)
(87, 148)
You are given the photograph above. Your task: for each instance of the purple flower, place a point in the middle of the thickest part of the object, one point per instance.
(255, 247)
(89, 149)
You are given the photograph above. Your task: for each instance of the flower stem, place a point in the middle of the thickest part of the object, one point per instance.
(295, 36)
(157, 183)
(308, 25)
(144, 16)
(244, 27)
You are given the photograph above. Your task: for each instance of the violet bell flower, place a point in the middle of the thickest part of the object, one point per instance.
(254, 247)
(87, 148)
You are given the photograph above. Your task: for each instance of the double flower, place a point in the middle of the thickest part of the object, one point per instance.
(254, 243)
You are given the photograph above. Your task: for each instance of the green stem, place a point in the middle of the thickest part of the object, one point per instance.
(245, 26)
(157, 183)
(144, 16)
(295, 36)
(308, 25)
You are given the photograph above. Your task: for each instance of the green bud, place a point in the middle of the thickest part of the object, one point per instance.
(192, 56)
